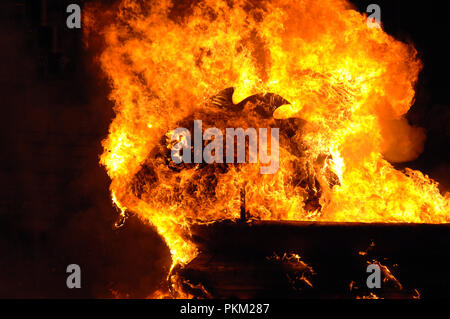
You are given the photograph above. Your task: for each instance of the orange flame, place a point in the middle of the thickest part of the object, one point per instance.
(351, 83)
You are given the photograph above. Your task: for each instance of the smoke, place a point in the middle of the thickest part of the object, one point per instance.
(401, 141)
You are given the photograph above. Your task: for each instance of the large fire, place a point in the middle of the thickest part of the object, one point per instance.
(347, 87)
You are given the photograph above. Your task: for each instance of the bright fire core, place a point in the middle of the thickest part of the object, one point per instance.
(351, 84)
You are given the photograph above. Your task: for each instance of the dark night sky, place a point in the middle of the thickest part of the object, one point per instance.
(55, 204)
(55, 207)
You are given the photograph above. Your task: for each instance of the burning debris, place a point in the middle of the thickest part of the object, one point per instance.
(198, 184)
(299, 273)
(339, 91)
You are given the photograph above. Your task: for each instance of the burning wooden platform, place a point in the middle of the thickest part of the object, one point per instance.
(285, 259)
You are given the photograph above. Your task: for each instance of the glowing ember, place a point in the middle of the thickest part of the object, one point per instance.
(350, 84)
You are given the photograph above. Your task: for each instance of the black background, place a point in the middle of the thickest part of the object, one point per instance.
(55, 207)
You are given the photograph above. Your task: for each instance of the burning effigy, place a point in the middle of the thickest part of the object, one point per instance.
(336, 88)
